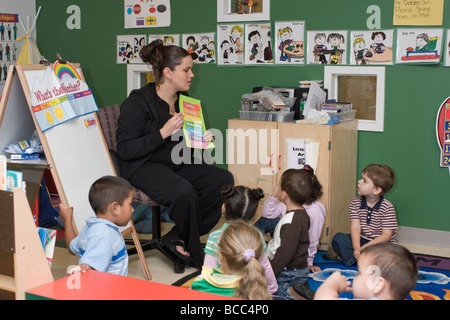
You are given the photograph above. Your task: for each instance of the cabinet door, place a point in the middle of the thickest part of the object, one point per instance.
(252, 150)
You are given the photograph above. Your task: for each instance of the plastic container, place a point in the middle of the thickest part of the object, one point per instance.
(267, 116)
(346, 116)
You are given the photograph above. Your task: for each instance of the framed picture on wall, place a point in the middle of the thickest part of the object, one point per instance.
(243, 10)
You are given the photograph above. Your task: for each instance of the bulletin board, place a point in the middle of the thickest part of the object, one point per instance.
(76, 151)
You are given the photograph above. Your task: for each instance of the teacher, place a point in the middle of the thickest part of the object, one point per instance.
(148, 119)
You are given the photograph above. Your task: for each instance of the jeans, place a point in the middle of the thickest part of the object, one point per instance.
(287, 278)
(342, 244)
(266, 225)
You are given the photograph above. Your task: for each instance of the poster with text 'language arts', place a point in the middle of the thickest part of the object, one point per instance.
(194, 126)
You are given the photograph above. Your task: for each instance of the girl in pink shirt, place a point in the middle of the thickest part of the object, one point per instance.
(273, 210)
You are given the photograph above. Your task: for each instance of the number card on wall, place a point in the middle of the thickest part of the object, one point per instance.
(443, 132)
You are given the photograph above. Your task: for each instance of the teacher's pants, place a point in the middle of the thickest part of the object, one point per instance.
(192, 194)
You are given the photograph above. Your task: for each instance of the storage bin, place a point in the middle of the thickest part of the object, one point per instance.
(346, 116)
(267, 116)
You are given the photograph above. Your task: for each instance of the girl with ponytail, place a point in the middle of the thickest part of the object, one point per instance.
(241, 276)
(239, 203)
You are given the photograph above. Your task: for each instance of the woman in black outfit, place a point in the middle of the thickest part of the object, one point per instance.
(148, 118)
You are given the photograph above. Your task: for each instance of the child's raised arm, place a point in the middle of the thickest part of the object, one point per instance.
(66, 215)
(332, 287)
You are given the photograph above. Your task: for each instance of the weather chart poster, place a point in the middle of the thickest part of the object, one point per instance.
(147, 13)
(59, 95)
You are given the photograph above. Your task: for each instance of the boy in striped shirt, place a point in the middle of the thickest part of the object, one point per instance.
(372, 216)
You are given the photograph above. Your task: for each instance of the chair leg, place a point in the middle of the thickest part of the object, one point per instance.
(156, 242)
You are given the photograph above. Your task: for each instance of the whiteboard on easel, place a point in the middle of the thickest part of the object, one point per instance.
(75, 148)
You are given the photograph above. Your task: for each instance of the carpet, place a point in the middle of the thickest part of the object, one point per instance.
(433, 282)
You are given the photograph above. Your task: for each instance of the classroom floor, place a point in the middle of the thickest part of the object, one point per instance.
(161, 268)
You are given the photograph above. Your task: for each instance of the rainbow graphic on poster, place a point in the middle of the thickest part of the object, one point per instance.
(65, 69)
(76, 90)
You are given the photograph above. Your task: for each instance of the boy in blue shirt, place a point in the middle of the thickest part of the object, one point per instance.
(100, 244)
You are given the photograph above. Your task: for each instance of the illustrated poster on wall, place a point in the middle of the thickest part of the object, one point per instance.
(443, 132)
(258, 44)
(128, 48)
(290, 42)
(371, 47)
(9, 45)
(194, 125)
(147, 14)
(201, 47)
(230, 44)
(419, 45)
(167, 39)
(326, 47)
(446, 49)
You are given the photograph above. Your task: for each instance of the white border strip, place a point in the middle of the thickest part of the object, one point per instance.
(426, 237)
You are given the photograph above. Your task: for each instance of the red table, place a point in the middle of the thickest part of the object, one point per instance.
(96, 285)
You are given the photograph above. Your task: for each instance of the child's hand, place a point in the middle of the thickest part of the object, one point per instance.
(274, 193)
(65, 213)
(340, 283)
(314, 268)
(79, 268)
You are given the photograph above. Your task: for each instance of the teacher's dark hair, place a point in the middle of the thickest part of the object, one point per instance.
(160, 56)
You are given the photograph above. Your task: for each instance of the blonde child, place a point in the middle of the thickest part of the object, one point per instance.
(239, 203)
(386, 271)
(288, 249)
(241, 275)
(100, 245)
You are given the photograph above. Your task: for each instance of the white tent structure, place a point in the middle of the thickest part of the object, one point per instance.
(30, 53)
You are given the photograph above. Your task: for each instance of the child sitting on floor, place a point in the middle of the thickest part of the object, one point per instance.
(372, 216)
(100, 245)
(239, 202)
(273, 210)
(386, 271)
(241, 275)
(288, 250)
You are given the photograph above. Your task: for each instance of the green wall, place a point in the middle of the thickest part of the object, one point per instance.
(413, 93)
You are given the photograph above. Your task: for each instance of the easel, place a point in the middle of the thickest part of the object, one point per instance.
(73, 163)
(23, 264)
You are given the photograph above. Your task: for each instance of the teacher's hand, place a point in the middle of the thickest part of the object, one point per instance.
(172, 125)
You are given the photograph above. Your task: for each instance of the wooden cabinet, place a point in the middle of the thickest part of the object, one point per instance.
(256, 155)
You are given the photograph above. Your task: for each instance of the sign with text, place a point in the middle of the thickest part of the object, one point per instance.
(418, 12)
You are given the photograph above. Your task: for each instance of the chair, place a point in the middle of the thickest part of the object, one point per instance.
(107, 117)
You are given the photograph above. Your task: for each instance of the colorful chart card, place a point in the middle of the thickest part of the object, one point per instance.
(147, 14)
(194, 126)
